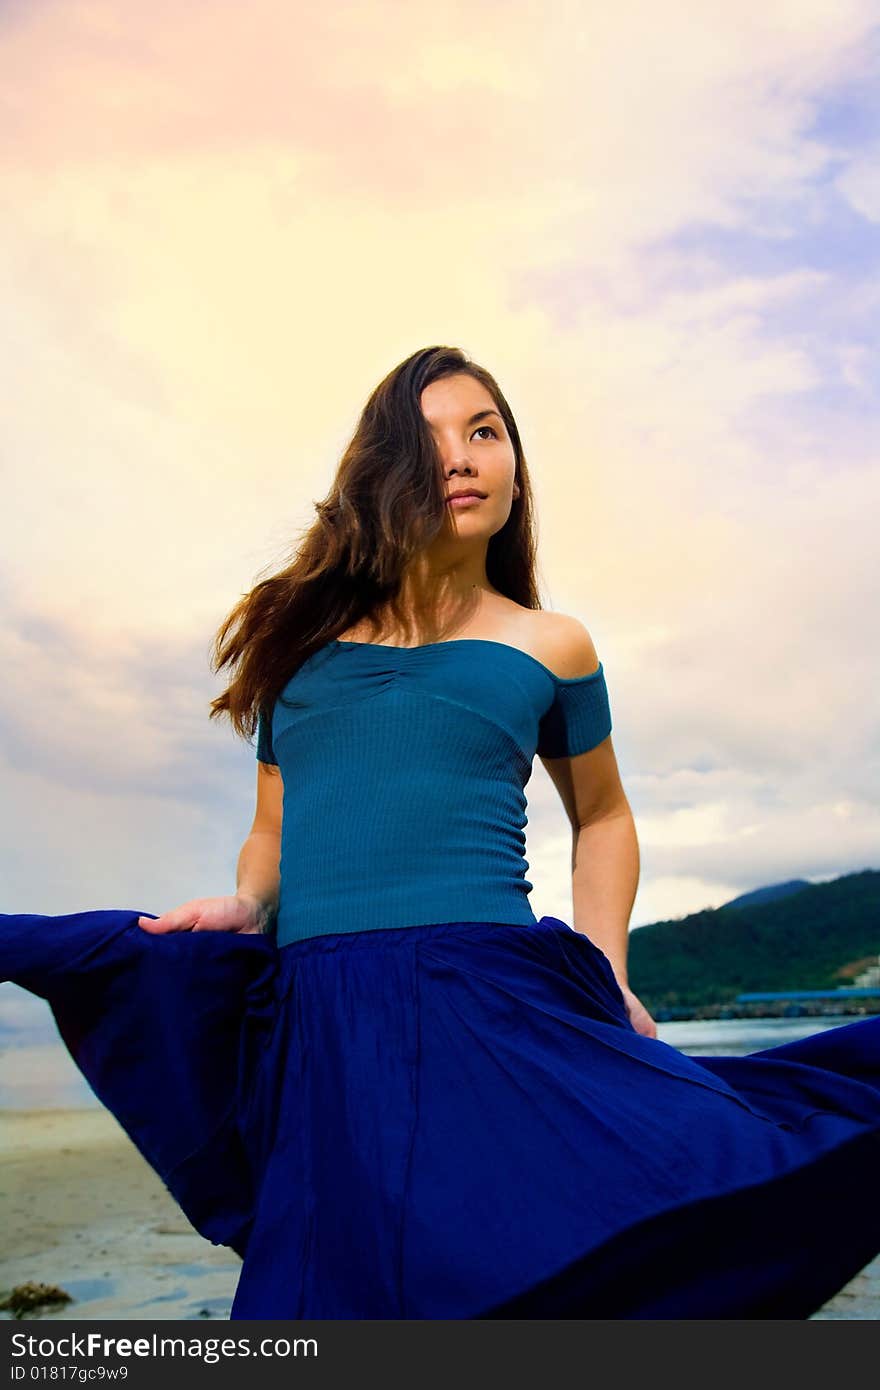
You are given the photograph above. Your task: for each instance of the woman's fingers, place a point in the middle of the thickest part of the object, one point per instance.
(215, 914)
(639, 1017)
(227, 913)
(178, 919)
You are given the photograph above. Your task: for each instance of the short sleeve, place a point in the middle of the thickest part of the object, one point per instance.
(265, 751)
(578, 719)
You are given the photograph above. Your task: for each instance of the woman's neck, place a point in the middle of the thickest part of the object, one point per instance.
(403, 626)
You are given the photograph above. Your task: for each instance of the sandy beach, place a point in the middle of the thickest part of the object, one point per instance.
(80, 1208)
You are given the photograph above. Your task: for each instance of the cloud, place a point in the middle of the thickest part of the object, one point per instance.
(653, 225)
(860, 183)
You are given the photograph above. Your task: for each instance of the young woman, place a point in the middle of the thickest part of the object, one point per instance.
(371, 1071)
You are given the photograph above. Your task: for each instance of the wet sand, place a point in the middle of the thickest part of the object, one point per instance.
(80, 1208)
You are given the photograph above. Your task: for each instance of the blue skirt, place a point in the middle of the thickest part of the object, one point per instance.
(459, 1121)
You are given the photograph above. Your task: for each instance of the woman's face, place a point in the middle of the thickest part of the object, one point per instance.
(475, 452)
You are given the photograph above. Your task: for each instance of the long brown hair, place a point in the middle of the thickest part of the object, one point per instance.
(386, 503)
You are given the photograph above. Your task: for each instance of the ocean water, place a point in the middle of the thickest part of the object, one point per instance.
(736, 1037)
(36, 1070)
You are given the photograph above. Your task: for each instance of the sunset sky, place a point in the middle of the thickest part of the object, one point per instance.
(223, 224)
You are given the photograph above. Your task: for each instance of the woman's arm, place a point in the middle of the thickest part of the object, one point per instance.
(605, 848)
(605, 877)
(605, 866)
(258, 876)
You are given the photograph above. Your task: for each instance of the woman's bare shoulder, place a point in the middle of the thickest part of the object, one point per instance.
(565, 643)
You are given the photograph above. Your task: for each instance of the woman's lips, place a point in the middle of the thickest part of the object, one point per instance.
(469, 500)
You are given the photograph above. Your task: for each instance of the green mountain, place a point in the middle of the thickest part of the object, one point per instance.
(815, 937)
(770, 893)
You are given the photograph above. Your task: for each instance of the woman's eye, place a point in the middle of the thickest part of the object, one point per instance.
(486, 427)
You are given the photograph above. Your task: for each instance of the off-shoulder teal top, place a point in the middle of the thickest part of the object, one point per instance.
(404, 780)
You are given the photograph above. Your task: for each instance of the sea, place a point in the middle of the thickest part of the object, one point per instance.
(37, 1071)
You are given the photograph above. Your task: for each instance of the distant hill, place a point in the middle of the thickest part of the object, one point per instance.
(770, 894)
(806, 936)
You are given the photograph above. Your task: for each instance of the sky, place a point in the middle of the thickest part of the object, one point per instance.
(657, 226)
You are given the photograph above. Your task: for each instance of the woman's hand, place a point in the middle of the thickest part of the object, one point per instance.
(239, 913)
(639, 1017)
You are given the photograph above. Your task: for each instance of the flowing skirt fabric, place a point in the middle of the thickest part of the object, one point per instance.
(459, 1121)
